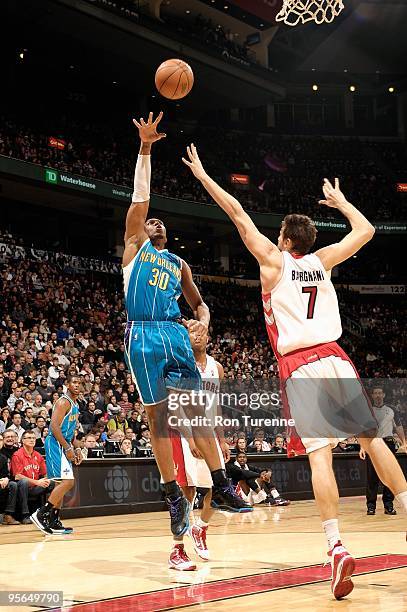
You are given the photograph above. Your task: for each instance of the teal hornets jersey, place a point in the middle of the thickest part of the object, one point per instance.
(152, 285)
(69, 421)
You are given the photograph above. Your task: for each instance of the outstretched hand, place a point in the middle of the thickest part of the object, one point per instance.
(148, 131)
(334, 197)
(194, 162)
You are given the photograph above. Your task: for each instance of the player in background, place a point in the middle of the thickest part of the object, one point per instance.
(157, 347)
(191, 470)
(59, 456)
(303, 324)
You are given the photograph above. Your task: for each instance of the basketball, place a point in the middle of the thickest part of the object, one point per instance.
(174, 79)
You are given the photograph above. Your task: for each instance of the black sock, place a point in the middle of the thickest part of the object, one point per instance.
(219, 478)
(46, 509)
(172, 489)
(55, 512)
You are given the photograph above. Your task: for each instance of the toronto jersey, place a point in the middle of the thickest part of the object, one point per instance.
(210, 386)
(302, 309)
(152, 285)
(69, 421)
(209, 375)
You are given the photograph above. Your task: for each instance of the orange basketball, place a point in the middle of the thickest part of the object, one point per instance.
(174, 79)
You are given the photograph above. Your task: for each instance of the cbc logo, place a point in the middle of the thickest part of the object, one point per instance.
(117, 484)
(150, 484)
(280, 475)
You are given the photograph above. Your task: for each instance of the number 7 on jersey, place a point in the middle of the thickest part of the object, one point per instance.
(312, 291)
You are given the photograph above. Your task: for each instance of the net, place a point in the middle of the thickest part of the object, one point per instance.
(294, 12)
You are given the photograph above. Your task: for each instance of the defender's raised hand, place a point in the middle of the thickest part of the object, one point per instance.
(194, 162)
(334, 197)
(148, 131)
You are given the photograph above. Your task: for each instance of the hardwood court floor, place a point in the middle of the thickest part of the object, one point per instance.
(272, 557)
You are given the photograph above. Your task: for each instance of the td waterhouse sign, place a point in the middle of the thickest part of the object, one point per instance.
(56, 177)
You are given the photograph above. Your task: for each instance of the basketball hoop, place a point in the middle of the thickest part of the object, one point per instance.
(301, 11)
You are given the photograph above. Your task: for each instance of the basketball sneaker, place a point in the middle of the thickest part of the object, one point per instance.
(42, 520)
(198, 536)
(343, 566)
(279, 501)
(225, 498)
(179, 559)
(179, 512)
(58, 528)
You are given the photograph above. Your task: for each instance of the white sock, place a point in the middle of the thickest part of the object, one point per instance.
(201, 523)
(402, 498)
(275, 493)
(177, 542)
(331, 529)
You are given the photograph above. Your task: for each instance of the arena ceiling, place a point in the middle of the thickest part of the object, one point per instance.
(367, 38)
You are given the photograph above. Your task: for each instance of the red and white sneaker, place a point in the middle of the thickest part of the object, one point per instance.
(179, 560)
(198, 535)
(343, 566)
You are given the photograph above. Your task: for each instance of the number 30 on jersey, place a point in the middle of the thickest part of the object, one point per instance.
(160, 278)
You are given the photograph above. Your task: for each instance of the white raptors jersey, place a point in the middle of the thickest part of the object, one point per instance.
(302, 309)
(210, 375)
(210, 386)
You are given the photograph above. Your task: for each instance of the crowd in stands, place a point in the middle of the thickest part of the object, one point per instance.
(285, 173)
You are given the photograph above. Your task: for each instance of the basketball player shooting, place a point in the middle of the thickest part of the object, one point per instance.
(157, 347)
(303, 324)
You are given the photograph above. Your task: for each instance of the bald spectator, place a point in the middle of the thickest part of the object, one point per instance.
(118, 422)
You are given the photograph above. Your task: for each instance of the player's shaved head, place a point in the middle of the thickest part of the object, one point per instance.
(156, 231)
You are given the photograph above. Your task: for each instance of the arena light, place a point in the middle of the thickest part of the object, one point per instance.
(391, 90)
(315, 87)
(199, 241)
(182, 246)
(176, 238)
(352, 88)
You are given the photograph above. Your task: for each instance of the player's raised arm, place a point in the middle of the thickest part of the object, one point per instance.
(362, 230)
(137, 213)
(258, 244)
(193, 297)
